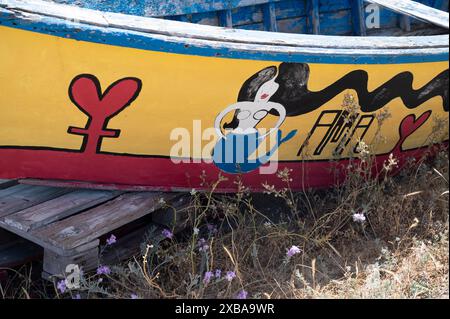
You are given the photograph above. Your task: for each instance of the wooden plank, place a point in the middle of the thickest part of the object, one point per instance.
(55, 265)
(87, 226)
(225, 18)
(358, 20)
(57, 209)
(19, 197)
(416, 10)
(313, 24)
(96, 186)
(270, 19)
(45, 244)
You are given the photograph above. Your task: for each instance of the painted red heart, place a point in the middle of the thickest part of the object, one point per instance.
(85, 92)
(410, 124)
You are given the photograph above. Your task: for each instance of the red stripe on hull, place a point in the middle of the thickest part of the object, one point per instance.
(144, 173)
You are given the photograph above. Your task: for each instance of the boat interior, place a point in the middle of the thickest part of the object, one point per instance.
(325, 17)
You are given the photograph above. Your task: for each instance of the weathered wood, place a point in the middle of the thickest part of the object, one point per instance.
(313, 24)
(68, 227)
(85, 227)
(55, 264)
(270, 19)
(176, 7)
(225, 18)
(99, 186)
(46, 245)
(416, 10)
(57, 208)
(358, 21)
(19, 197)
(233, 38)
(246, 14)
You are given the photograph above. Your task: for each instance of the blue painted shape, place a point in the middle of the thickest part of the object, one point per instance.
(232, 153)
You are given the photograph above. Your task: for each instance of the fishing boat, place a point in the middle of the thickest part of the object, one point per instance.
(185, 94)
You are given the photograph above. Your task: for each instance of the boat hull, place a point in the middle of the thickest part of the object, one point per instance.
(100, 105)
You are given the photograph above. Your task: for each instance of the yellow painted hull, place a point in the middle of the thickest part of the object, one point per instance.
(165, 136)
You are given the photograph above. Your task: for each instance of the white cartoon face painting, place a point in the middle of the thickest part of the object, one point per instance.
(232, 152)
(250, 114)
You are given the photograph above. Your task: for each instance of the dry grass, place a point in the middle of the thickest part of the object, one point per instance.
(400, 251)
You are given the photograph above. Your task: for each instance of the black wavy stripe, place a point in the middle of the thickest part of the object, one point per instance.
(294, 95)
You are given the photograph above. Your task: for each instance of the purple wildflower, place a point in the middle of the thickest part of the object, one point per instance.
(218, 273)
(111, 240)
(167, 233)
(202, 245)
(134, 296)
(242, 294)
(294, 250)
(207, 277)
(103, 270)
(61, 285)
(359, 218)
(230, 275)
(77, 296)
(211, 228)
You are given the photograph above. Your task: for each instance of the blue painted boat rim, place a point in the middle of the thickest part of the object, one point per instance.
(38, 11)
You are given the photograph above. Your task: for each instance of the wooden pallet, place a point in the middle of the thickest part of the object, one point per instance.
(68, 223)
